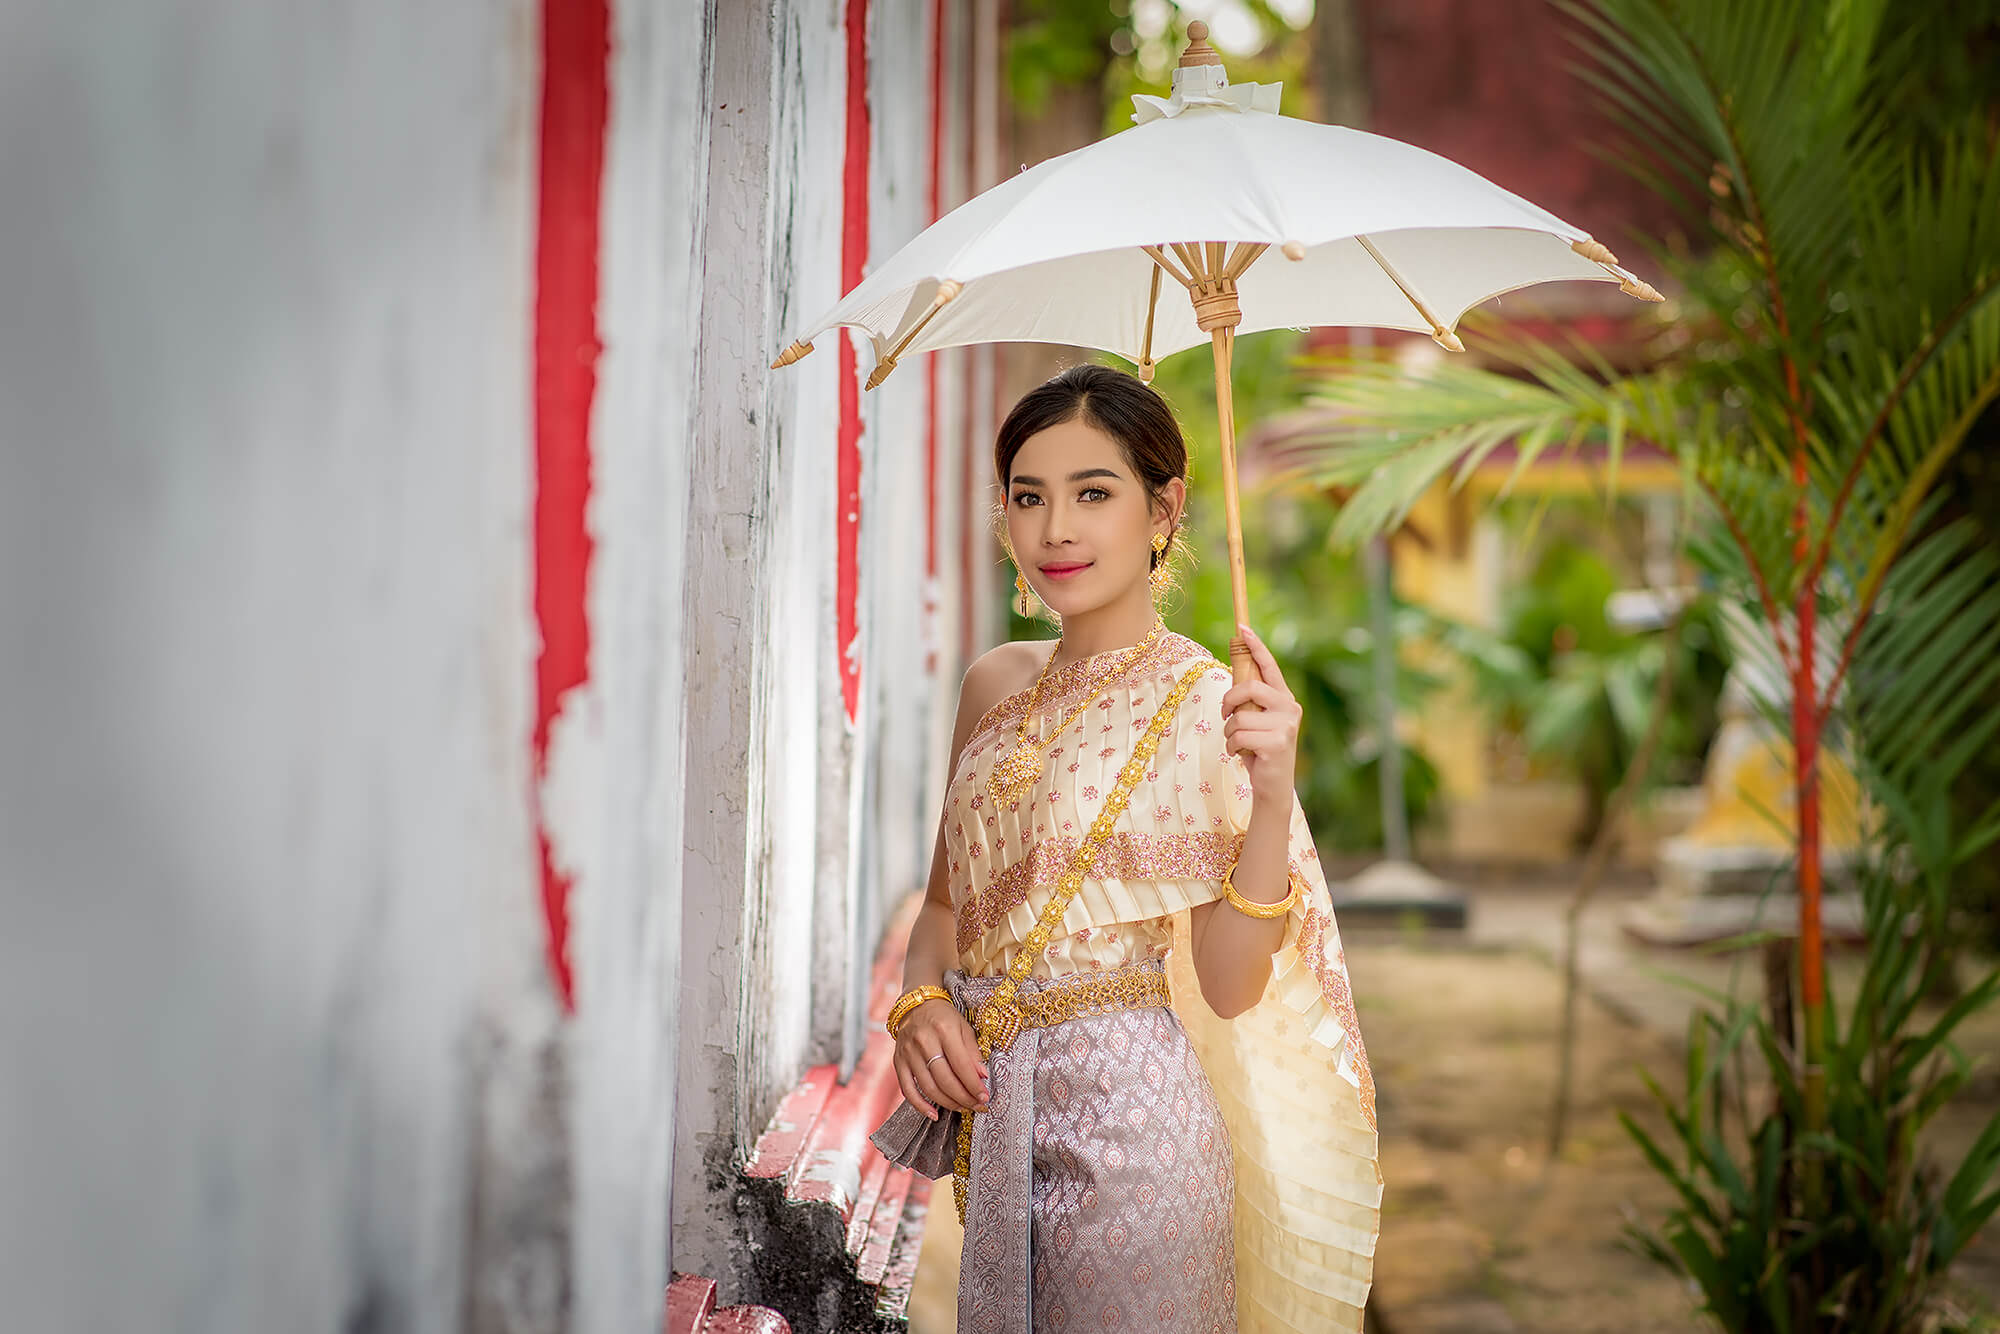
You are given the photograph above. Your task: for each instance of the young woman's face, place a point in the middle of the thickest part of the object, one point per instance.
(1079, 518)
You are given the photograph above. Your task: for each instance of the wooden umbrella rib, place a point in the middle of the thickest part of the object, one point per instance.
(947, 291)
(1146, 347)
(1444, 337)
(1187, 254)
(1246, 255)
(1160, 261)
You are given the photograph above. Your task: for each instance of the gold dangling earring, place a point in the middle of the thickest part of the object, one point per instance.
(1159, 573)
(1024, 598)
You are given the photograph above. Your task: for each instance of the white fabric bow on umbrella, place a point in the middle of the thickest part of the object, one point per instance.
(1378, 232)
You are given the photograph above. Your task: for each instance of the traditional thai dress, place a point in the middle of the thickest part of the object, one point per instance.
(1143, 1163)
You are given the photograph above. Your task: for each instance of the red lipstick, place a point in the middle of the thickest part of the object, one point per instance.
(1065, 569)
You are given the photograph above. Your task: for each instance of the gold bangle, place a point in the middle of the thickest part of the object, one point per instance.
(1252, 908)
(909, 1001)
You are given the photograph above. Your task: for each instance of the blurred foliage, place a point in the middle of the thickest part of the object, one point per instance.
(1574, 691)
(1971, 492)
(1121, 47)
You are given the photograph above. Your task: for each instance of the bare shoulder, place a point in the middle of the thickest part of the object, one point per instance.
(994, 675)
(1001, 671)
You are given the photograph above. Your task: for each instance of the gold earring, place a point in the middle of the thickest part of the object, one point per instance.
(1159, 573)
(1024, 598)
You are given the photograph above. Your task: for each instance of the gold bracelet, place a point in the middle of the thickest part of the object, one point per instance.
(909, 1001)
(1251, 907)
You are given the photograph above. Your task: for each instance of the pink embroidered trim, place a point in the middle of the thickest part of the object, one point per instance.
(1205, 855)
(1063, 690)
(1333, 988)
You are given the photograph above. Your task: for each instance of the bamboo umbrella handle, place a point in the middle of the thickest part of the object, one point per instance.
(1211, 283)
(1223, 341)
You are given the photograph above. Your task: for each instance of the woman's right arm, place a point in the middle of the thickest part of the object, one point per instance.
(958, 1082)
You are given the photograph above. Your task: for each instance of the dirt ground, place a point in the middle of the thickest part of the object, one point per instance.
(1479, 1234)
(1476, 1236)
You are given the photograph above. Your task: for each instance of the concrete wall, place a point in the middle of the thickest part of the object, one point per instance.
(281, 1051)
(626, 763)
(285, 1046)
(801, 824)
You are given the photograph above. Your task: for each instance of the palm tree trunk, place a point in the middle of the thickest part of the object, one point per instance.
(1812, 982)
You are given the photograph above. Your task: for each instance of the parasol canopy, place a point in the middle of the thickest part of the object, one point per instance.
(1373, 232)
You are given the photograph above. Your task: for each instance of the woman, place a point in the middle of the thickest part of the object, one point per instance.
(1126, 1029)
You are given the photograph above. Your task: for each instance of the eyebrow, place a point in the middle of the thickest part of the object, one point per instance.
(1025, 480)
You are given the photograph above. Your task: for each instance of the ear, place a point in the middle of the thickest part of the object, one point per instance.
(1168, 507)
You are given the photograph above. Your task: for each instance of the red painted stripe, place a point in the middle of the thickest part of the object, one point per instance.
(853, 261)
(576, 48)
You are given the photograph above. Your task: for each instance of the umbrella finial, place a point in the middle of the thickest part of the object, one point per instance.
(1629, 283)
(1198, 52)
(791, 354)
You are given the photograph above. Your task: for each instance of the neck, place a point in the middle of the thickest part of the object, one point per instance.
(1115, 625)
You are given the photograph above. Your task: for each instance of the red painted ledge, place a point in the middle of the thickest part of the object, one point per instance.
(817, 1143)
(691, 1309)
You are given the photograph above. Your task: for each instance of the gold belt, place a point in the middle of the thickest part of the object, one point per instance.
(1127, 989)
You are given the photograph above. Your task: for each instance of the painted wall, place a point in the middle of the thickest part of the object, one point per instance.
(433, 827)
(281, 1049)
(616, 789)
(810, 801)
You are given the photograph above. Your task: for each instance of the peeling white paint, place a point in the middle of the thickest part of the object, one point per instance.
(276, 1023)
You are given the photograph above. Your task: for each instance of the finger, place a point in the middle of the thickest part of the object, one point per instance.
(926, 1075)
(948, 1082)
(909, 1087)
(1267, 666)
(961, 1053)
(1273, 722)
(1260, 693)
(1260, 740)
(939, 1075)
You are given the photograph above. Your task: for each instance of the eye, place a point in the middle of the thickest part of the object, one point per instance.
(1026, 498)
(1093, 494)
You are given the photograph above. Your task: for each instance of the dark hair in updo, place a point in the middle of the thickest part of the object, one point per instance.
(1121, 405)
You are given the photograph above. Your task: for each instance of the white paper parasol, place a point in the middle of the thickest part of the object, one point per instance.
(1376, 232)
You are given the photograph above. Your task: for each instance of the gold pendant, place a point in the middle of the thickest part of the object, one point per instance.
(999, 1024)
(1017, 773)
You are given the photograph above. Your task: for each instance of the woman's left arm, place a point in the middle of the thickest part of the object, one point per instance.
(1232, 950)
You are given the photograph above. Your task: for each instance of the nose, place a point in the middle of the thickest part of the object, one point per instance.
(1055, 531)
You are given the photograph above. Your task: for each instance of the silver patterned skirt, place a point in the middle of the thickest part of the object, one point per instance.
(1102, 1188)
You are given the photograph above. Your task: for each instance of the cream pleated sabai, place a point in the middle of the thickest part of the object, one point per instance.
(1291, 1075)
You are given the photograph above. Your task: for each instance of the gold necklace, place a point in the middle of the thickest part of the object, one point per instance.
(1021, 767)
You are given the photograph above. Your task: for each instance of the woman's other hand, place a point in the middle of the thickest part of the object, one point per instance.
(937, 1061)
(1261, 724)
